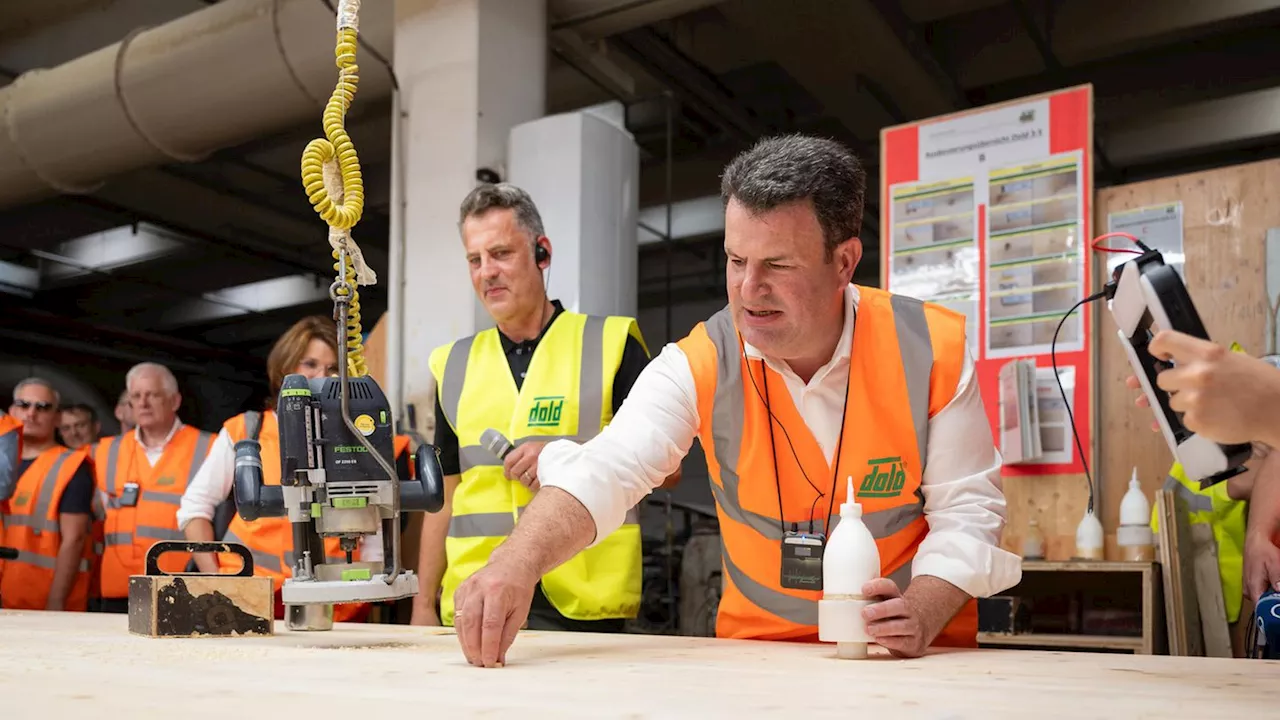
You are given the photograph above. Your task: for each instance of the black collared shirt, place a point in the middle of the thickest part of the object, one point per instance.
(519, 354)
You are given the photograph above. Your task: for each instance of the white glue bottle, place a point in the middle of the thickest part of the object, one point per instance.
(850, 560)
(1089, 540)
(1134, 536)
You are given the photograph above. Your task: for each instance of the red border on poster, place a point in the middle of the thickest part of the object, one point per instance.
(1070, 129)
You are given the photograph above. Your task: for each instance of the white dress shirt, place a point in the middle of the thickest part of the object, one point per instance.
(155, 453)
(212, 484)
(651, 433)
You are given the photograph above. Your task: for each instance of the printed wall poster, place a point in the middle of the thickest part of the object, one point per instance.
(987, 212)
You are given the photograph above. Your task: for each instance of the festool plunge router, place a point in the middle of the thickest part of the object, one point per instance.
(337, 468)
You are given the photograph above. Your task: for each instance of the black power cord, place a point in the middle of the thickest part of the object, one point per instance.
(772, 419)
(1053, 355)
(1107, 292)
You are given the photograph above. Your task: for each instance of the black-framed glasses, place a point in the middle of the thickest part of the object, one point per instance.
(27, 404)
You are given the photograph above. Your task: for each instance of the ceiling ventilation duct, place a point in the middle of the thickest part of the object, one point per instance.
(213, 79)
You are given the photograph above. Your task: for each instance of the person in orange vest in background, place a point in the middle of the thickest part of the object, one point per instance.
(47, 519)
(141, 477)
(308, 349)
(802, 381)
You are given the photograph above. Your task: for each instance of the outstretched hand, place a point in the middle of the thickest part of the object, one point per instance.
(490, 608)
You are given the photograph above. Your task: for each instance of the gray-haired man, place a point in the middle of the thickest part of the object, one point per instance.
(542, 374)
(141, 475)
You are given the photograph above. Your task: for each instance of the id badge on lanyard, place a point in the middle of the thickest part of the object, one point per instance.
(129, 495)
(802, 560)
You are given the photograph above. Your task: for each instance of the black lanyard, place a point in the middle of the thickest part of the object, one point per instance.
(835, 463)
(773, 446)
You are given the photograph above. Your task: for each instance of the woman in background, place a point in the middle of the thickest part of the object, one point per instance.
(308, 348)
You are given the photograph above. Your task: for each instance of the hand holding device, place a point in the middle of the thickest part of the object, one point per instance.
(1147, 297)
(1228, 396)
(519, 463)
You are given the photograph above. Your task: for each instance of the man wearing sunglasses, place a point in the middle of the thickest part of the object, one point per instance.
(48, 517)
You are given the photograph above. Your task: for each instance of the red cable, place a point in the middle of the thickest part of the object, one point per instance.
(1100, 238)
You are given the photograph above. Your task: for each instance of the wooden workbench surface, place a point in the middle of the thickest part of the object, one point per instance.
(78, 665)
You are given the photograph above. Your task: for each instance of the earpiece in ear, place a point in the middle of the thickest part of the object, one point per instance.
(540, 254)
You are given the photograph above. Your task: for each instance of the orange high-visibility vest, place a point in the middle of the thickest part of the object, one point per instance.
(32, 528)
(905, 366)
(270, 540)
(129, 532)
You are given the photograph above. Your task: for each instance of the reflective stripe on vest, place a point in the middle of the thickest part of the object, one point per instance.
(143, 531)
(113, 461)
(501, 523)
(564, 395)
(46, 563)
(46, 492)
(1196, 502)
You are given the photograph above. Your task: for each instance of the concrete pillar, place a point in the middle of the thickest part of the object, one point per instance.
(583, 170)
(469, 71)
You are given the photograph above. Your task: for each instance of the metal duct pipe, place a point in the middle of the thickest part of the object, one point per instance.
(223, 75)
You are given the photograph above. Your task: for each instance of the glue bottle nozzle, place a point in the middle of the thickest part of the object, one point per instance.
(850, 506)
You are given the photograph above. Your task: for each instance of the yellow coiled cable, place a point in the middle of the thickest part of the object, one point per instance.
(341, 215)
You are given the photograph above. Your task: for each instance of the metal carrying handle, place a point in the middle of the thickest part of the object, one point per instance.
(195, 546)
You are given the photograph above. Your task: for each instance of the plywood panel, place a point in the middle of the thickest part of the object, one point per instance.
(1226, 214)
(80, 664)
(375, 355)
(375, 351)
(1055, 502)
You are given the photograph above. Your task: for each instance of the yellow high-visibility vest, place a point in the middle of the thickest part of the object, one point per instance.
(567, 393)
(1226, 516)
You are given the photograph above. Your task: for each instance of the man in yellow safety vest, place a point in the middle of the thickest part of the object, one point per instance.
(542, 374)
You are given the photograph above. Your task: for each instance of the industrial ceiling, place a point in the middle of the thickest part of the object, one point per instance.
(206, 262)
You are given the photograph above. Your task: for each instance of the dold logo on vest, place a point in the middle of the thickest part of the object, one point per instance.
(546, 411)
(886, 478)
